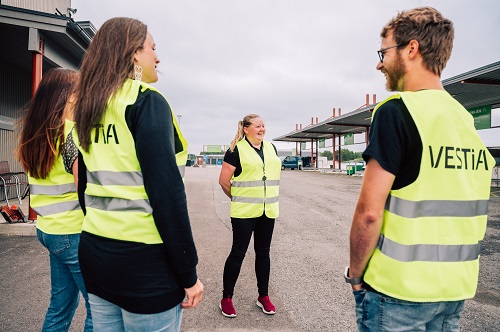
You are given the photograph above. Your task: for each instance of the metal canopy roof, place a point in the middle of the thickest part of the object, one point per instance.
(66, 41)
(354, 122)
(477, 87)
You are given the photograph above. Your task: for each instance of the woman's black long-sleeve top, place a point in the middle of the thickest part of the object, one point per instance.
(138, 277)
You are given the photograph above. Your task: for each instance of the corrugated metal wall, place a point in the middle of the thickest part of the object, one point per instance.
(15, 92)
(46, 6)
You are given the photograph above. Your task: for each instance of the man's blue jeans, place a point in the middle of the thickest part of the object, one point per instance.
(66, 281)
(378, 312)
(109, 317)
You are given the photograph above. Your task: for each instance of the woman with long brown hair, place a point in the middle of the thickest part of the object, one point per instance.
(49, 159)
(137, 251)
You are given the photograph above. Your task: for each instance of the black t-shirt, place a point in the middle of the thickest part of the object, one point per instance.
(146, 278)
(395, 143)
(233, 158)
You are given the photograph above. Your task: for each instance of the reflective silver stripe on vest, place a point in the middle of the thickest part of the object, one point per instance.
(256, 183)
(428, 252)
(241, 199)
(182, 170)
(273, 182)
(109, 178)
(271, 200)
(246, 184)
(117, 204)
(437, 208)
(56, 190)
(56, 208)
(253, 200)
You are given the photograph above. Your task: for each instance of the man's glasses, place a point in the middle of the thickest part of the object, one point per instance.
(381, 53)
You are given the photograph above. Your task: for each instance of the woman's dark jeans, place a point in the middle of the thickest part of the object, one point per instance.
(262, 228)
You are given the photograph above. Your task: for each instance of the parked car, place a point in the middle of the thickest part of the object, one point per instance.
(306, 161)
(292, 162)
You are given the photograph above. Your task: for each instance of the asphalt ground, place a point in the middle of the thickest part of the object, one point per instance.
(308, 254)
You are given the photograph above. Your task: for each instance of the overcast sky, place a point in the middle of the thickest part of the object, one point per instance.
(285, 60)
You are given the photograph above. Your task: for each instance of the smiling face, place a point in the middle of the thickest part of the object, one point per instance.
(147, 59)
(255, 131)
(393, 66)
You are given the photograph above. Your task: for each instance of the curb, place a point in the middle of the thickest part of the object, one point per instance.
(18, 229)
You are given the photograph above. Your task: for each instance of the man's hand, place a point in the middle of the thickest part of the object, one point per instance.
(194, 295)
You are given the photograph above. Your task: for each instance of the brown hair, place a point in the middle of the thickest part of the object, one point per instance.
(42, 126)
(245, 123)
(430, 29)
(108, 63)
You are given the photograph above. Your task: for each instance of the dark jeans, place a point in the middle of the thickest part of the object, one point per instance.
(262, 228)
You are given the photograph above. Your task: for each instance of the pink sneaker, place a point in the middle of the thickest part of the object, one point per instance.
(227, 308)
(266, 305)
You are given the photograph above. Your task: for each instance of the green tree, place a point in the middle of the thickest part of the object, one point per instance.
(348, 155)
(328, 154)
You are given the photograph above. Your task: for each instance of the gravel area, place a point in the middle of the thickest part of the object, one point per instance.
(310, 250)
(308, 255)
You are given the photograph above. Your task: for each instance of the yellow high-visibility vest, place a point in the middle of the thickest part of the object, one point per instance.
(432, 229)
(255, 191)
(55, 201)
(116, 202)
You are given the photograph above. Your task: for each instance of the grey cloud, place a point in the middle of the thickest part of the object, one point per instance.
(285, 60)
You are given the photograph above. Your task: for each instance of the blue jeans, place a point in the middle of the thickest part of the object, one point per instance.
(66, 281)
(109, 317)
(378, 312)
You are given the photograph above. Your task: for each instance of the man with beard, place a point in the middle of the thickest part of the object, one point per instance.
(421, 214)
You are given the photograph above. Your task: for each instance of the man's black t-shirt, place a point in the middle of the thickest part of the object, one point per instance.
(395, 143)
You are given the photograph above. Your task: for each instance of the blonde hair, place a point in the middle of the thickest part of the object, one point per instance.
(240, 134)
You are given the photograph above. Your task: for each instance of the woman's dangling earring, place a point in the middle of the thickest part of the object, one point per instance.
(137, 72)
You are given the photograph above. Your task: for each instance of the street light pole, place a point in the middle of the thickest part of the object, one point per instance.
(179, 119)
